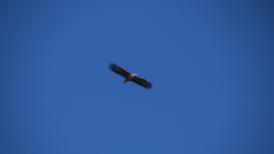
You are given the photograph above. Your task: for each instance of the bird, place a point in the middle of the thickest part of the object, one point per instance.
(130, 76)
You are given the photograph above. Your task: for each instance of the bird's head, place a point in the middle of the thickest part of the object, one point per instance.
(133, 75)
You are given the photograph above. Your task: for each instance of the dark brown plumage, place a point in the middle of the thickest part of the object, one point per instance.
(130, 76)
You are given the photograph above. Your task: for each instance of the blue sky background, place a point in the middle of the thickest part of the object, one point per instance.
(210, 62)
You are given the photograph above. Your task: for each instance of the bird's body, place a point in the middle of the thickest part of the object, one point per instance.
(130, 76)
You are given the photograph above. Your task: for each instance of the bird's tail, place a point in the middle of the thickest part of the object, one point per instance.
(125, 81)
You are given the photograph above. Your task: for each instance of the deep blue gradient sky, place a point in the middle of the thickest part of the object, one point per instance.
(210, 62)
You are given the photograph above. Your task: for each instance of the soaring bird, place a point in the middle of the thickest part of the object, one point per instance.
(130, 76)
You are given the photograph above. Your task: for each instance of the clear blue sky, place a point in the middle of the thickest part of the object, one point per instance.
(210, 62)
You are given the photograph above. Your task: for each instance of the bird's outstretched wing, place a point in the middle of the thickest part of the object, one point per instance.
(142, 82)
(119, 70)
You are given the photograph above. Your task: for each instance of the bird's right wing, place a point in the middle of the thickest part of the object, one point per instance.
(119, 70)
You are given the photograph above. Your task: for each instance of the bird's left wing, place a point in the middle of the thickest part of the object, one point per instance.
(142, 82)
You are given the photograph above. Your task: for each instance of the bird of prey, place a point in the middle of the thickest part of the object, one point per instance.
(130, 76)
